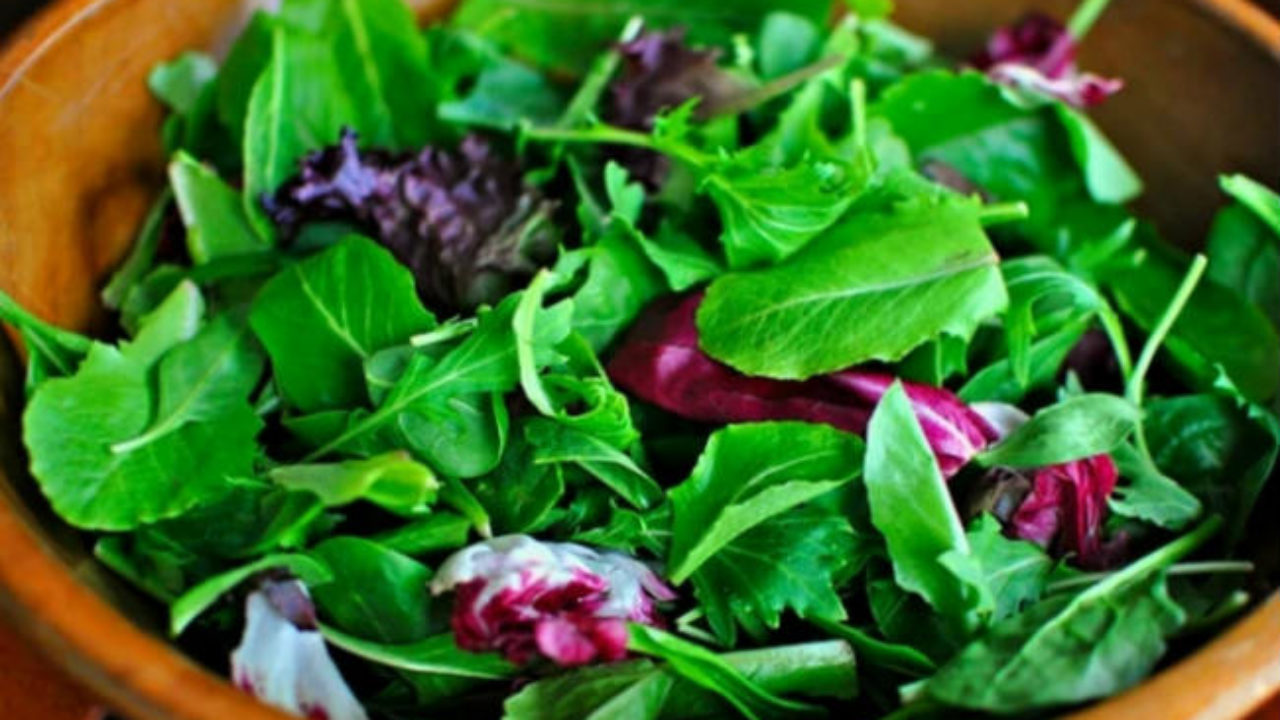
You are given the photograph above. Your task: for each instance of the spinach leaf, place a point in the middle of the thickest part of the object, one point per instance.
(436, 655)
(643, 689)
(792, 560)
(747, 474)
(250, 518)
(113, 451)
(1244, 245)
(392, 481)
(1066, 650)
(1220, 450)
(374, 593)
(565, 37)
(217, 225)
(322, 318)
(520, 493)
(709, 671)
(175, 320)
(438, 531)
(195, 601)
(1079, 427)
(874, 287)
(912, 509)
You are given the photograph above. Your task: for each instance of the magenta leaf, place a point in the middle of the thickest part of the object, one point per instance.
(1039, 54)
(1066, 509)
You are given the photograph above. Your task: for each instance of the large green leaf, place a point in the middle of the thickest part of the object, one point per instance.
(873, 287)
(322, 318)
(748, 474)
(1244, 253)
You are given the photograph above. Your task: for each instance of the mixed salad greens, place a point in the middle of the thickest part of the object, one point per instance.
(558, 363)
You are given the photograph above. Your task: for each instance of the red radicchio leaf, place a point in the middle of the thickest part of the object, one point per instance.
(1039, 53)
(1066, 508)
(660, 362)
(465, 223)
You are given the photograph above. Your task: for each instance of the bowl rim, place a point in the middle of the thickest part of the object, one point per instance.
(141, 674)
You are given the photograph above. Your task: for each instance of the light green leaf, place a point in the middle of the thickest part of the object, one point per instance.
(393, 481)
(1076, 428)
(212, 211)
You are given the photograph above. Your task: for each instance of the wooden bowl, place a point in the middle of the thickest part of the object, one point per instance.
(80, 160)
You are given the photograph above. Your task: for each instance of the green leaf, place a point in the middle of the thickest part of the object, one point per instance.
(556, 443)
(748, 474)
(1244, 253)
(1067, 650)
(874, 287)
(640, 689)
(787, 42)
(437, 655)
(1149, 495)
(245, 63)
(1011, 573)
(1078, 427)
(1107, 175)
(217, 225)
(141, 260)
(1217, 327)
(195, 601)
(112, 451)
(997, 382)
(374, 593)
(498, 92)
(323, 318)
(709, 671)
(51, 351)
(176, 319)
(875, 652)
(565, 37)
(1260, 199)
(520, 493)
(789, 561)
(1044, 297)
(439, 531)
(769, 213)
(180, 82)
(1221, 451)
(911, 507)
(392, 481)
(621, 281)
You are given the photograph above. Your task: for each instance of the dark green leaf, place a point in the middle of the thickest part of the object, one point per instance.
(1244, 253)
(1078, 427)
(439, 531)
(437, 655)
(1149, 495)
(555, 443)
(374, 593)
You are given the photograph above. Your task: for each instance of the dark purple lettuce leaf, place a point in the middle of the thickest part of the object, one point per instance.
(1066, 510)
(660, 362)
(1038, 53)
(464, 222)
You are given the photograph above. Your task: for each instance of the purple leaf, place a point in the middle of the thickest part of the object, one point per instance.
(1066, 509)
(1038, 53)
(282, 659)
(660, 362)
(565, 602)
(464, 222)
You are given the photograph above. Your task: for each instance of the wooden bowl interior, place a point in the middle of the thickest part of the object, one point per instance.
(81, 161)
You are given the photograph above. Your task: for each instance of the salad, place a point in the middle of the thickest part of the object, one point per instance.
(726, 360)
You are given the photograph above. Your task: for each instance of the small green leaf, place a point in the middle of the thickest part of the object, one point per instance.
(392, 481)
(1074, 429)
(195, 601)
(217, 225)
(437, 655)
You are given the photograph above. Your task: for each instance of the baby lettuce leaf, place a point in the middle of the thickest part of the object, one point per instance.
(1078, 427)
(705, 669)
(375, 593)
(791, 560)
(643, 690)
(1065, 649)
(555, 443)
(392, 481)
(874, 287)
(1014, 573)
(51, 351)
(1149, 495)
(749, 473)
(216, 221)
(561, 37)
(336, 64)
(1217, 327)
(112, 449)
(1244, 245)
(436, 655)
(912, 509)
(321, 319)
(1219, 449)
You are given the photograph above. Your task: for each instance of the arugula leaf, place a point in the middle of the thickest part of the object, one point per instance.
(704, 668)
(374, 593)
(193, 603)
(392, 481)
(1066, 650)
(555, 443)
(790, 561)
(1220, 450)
(112, 451)
(1078, 427)
(217, 225)
(1150, 495)
(565, 37)
(747, 474)
(873, 287)
(1011, 573)
(323, 318)
(642, 689)
(911, 507)
(436, 655)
